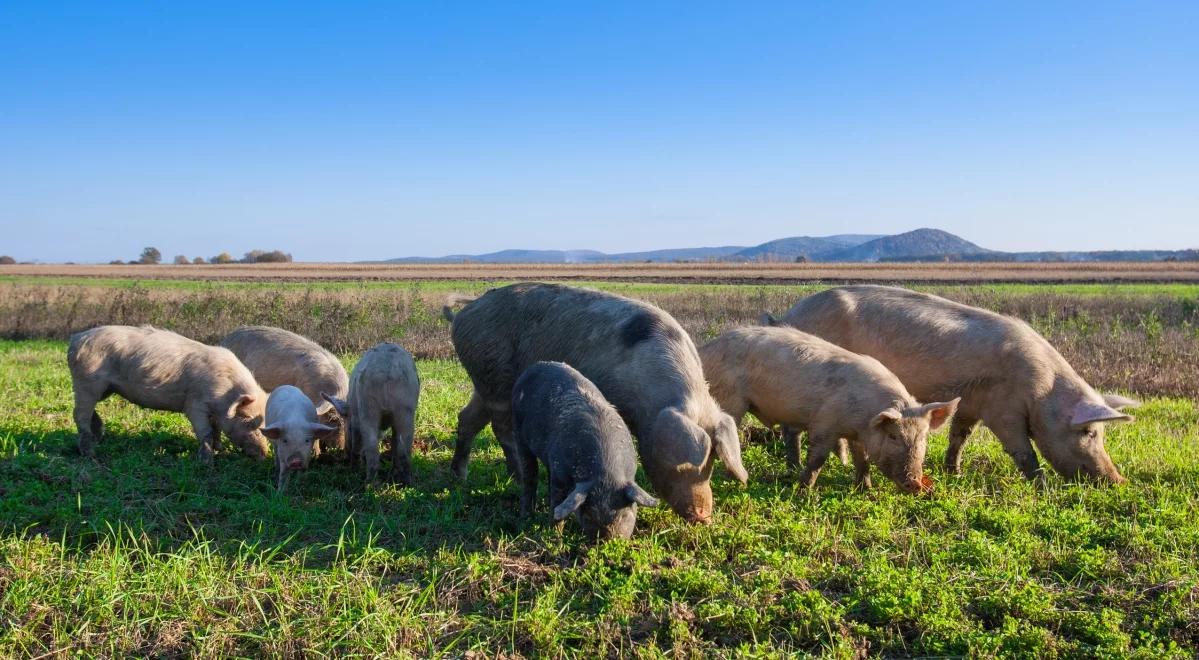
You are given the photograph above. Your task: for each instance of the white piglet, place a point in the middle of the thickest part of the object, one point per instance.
(293, 429)
(384, 389)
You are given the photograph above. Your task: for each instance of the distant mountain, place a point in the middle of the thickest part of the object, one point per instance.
(917, 245)
(678, 254)
(815, 248)
(908, 245)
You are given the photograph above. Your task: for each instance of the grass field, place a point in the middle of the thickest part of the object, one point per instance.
(146, 552)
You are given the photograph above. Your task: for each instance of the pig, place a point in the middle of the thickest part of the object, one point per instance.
(1007, 376)
(384, 390)
(636, 354)
(277, 357)
(784, 376)
(161, 370)
(292, 428)
(561, 419)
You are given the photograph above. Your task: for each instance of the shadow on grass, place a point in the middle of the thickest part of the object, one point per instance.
(152, 484)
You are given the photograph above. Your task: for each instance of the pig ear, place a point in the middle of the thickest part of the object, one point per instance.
(572, 501)
(338, 404)
(274, 432)
(939, 413)
(888, 416)
(321, 430)
(767, 319)
(636, 494)
(1120, 402)
(238, 406)
(680, 442)
(728, 448)
(1089, 412)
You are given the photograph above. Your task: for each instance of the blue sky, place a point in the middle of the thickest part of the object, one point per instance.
(347, 131)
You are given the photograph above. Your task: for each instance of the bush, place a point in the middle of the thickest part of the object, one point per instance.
(181, 260)
(222, 258)
(199, 260)
(6, 260)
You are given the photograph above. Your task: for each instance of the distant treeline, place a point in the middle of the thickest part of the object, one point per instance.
(152, 256)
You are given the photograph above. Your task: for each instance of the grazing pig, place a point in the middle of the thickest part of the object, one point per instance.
(560, 418)
(636, 354)
(277, 357)
(1006, 374)
(161, 370)
(784, 376)
(384, 389)
(292, 428)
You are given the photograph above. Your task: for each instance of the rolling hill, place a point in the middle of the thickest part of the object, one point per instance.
(923, 244)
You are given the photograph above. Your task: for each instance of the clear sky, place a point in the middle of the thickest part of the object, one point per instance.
(347, 131)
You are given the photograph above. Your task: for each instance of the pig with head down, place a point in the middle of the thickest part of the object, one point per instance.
(784, 376)
(636, 354)
(293, 429)
(561, 419)
(278, 357)
(384, 391)
(161, 370)
(1008, 376)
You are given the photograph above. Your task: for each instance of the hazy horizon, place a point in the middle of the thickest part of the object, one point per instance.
(380, 131)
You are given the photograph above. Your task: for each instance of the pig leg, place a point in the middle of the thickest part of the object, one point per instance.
(528, 480)
(501, 423)
(206, 433)
(471, 420)
(1013, 434)
(368, 446)
(861, 467)
(403, 431)
(792, 445)
(87, 421)
(843, 451)
(959, 432)
(819, 448)
(353, 447)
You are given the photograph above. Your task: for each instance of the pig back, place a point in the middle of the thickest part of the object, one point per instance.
(279, 357)
(636, 354)
(936, 347)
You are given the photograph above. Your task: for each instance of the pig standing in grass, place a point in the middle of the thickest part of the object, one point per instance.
(560, 418)
(784, 376)
(635, 353)
(384, 389)
(293, 429)
(161, 370)
(1006, 374)
(277, 357)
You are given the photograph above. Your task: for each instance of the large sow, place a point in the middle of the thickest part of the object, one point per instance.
(161, 370)
(1007, 375)
(278, 357)
(636, 354)
(561, 419)
(384, 391)
(784, 376)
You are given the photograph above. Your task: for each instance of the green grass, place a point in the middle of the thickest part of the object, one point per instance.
(146, 552)
(1173, 289)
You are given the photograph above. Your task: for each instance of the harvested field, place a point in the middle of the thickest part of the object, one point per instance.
(733, 273)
